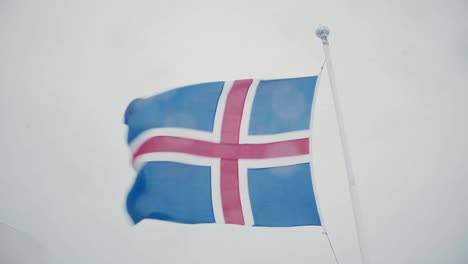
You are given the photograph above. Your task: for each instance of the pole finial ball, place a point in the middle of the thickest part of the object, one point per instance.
(322, 32)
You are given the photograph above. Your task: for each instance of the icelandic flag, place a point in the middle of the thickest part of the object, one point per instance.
(234, 152)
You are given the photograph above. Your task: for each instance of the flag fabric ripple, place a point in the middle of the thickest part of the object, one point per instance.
(234, 152)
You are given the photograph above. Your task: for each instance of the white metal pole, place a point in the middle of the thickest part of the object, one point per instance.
(322, 32)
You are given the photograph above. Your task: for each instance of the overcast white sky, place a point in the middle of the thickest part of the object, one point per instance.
(69, 68)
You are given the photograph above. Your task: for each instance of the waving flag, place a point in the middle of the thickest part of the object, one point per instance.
(224, 152)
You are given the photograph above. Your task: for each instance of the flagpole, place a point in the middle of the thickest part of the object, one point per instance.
(322, 32)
